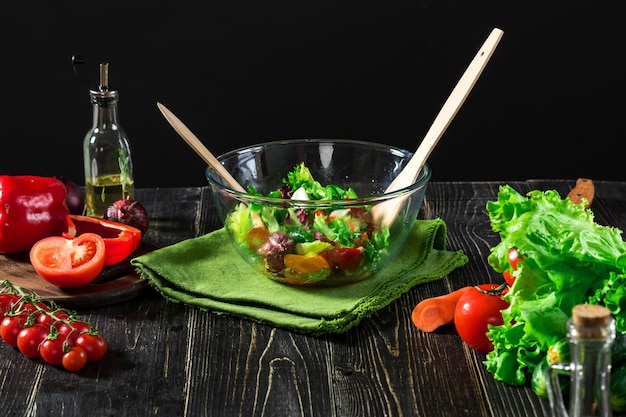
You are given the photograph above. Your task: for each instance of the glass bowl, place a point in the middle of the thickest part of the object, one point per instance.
(317, 235)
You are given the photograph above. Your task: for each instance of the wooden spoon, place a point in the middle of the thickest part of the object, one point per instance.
(199, 148)
(385, 213)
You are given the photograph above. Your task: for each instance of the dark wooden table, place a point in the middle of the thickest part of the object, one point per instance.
(166, 359)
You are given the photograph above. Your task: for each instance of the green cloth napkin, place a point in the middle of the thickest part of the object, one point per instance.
(208, 273)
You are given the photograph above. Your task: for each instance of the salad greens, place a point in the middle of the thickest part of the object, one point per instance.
(567, 259)
(303, 243)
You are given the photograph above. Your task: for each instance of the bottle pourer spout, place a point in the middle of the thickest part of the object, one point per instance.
(104, 76)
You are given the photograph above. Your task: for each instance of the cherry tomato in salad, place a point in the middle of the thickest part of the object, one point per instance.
(69, 262)
(29, 339)
(95, 346)
(74, 359)
(476, 309)
(52, 350)
(343, 259)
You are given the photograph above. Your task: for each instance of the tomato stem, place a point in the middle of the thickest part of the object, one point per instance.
(495, 290)
(30, 297)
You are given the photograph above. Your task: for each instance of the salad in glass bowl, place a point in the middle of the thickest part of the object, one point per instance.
(299, 230)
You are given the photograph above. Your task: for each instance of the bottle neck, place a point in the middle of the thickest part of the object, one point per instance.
(105, 115)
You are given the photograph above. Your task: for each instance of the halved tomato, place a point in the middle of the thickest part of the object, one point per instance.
(121, 240)
(69, 262)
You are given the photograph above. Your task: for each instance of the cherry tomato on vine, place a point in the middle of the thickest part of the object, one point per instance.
(53, 318)
(11, 326)
(95, 346)
(29, 339)
(479, 306)
(51, 350)
(69, 262)
(7, 301)
(72, 330)
(75, 359)
(35, 310)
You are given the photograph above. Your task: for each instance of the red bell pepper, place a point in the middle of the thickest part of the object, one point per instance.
(120, 240)
(31, 208)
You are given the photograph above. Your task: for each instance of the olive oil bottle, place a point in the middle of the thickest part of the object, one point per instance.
(106, 151)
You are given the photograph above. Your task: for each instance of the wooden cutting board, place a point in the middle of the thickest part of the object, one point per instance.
(116, 283)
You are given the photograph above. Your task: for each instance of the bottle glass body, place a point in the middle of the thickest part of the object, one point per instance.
(107, 157)
(589, 372)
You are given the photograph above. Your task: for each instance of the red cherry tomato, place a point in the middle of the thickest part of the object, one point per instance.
(7, 301)
(343, 259)
(67, 262)
(53, 318)
(95, 346)
(52, 350)
(72, 330)
(478, 307)
(75, 359)
(508, 278)
(29, 339)
(10, 327)
(514, 258)
(35, 310)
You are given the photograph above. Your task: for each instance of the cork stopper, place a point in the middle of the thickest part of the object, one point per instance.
(590, 315)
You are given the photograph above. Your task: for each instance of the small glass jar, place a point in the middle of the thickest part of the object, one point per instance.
(591, 332)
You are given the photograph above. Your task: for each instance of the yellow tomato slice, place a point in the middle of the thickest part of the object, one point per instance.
(302, 269)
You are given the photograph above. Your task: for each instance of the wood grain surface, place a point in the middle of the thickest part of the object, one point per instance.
(168, 359)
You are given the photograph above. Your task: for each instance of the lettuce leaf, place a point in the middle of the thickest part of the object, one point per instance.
(301, 177)
(568, 259)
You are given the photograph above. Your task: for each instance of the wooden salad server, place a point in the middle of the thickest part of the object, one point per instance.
(199, 148)
(386, 212)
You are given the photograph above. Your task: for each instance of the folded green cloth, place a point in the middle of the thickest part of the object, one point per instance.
(208, 273)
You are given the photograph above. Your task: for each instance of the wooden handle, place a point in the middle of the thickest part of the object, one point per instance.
(387, 212)
(583, 189)
(448, 112)
(199, 148)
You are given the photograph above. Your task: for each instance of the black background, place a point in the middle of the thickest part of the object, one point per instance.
(548, 105)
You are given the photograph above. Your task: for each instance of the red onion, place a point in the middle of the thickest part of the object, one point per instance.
(75, 199)
(130, 212)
